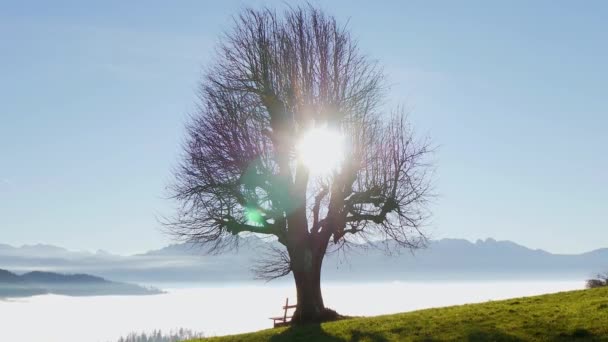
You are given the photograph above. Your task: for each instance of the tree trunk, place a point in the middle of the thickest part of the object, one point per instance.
(307, 275)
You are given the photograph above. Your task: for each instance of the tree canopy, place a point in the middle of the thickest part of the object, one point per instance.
(275, 78)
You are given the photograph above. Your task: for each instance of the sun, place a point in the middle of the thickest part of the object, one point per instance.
(321, 150)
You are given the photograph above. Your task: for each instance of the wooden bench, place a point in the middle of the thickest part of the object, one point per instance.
(282, 321)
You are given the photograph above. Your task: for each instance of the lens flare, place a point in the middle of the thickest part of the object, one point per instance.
(254, 217)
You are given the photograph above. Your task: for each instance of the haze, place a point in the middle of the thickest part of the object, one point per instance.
(94, 99)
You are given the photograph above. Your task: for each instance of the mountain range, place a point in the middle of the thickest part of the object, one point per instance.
(37, 283)
(445, 259)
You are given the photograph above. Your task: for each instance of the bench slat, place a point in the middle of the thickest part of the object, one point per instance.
(283, 320)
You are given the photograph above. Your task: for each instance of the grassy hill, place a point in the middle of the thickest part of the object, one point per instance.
(567, 316)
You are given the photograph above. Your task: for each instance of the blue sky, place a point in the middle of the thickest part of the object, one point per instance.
(93, 99)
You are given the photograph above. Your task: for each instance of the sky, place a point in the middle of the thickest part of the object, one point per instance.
(94, 98)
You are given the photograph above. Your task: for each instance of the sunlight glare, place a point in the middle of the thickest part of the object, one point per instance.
(321, 150)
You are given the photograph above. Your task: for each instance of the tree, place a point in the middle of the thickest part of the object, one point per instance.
(277, 78)
(600, 280)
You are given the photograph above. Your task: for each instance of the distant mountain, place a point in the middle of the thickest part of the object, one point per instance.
(38, 277)
(445, 259)
(175, 250)
(602, 253)
(44, 251)
(245, 245)
(7, 277)
(483, 259)
(36, 282)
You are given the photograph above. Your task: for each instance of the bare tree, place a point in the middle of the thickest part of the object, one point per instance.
(275, 78)
(600, 280)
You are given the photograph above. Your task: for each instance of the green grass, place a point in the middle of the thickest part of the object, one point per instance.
(567, 316)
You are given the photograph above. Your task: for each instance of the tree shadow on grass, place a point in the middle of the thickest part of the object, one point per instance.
(580, 334)
(491, 335)
(476, 335)
(500, 336)
(315, 332)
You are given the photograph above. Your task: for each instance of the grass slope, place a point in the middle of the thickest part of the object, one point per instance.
(567, 316)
